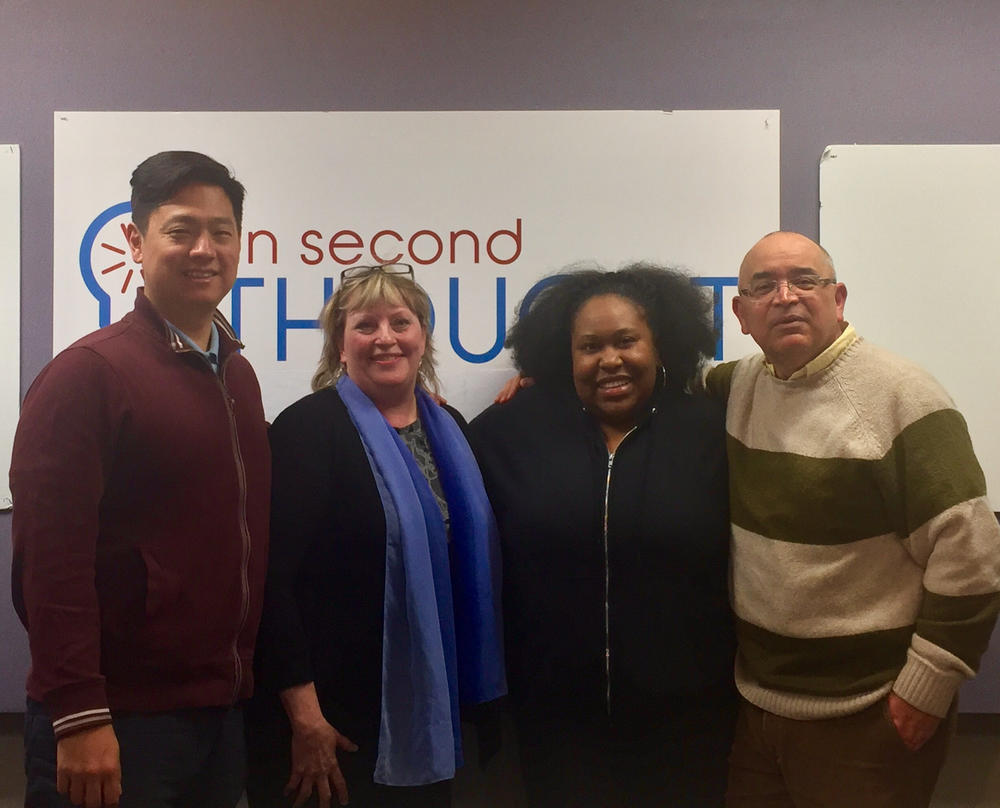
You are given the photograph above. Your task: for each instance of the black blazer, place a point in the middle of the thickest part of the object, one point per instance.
(322, 618)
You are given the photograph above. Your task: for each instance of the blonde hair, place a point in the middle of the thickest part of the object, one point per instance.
(362, 293)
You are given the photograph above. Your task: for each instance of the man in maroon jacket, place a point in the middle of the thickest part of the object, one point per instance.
(141, 477)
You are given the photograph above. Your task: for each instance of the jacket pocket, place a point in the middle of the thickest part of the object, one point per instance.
(163, 586)
(132, 588)
(120, 578)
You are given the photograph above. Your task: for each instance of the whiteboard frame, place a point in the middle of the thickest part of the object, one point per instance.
(10, 306)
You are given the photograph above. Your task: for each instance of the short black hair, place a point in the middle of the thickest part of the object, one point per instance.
(678, 314)
(158, 178)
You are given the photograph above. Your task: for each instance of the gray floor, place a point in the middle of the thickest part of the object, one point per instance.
(971, 778)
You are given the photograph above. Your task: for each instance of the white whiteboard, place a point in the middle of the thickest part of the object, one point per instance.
(10, 304)
(914, 232)
(685, 187)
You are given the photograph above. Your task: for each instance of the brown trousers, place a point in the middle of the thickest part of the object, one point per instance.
(858, 761)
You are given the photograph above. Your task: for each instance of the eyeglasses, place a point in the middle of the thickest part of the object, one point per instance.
(763, 290)
(359, 272)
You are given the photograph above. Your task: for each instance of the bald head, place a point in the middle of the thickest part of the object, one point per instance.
(791, 326)
(786, 241)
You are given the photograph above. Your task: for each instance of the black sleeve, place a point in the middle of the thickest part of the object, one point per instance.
(302, 463)
(459, 419)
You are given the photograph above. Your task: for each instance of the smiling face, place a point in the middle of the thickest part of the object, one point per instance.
(791, 328)
(614, 360)
(381, 349)
(189, 254)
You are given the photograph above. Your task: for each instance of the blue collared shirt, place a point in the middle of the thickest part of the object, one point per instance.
(211, 355)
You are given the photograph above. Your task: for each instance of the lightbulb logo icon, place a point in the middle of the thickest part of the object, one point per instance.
(106, 264)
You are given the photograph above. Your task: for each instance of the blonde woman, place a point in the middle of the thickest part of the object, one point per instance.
(381, 609)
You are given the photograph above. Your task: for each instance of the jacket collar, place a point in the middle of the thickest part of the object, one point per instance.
(147, 313)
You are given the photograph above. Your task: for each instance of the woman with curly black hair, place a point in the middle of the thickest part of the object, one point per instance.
(608, 479)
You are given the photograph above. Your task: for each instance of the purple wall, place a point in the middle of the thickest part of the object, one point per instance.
(895, 71)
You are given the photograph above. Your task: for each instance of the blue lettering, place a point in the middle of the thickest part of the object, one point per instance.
(284, 323)
(717, 284)
(486, 356)
(236, 317)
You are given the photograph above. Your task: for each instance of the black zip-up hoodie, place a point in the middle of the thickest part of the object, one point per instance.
(670, 633)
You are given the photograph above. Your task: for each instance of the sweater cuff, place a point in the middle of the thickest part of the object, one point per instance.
(76, 708)
(926, 687)
(77, 722)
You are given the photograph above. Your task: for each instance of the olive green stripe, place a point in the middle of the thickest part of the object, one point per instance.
(823, 666)
(806, 500)
(929, 468)
(960, 624)
(719, 381)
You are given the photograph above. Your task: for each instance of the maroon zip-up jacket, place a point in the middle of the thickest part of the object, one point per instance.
(141, 484)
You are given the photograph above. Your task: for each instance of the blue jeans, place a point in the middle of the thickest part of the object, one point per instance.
(191, 758)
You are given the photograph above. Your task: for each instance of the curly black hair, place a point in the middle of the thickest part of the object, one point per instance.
(678, 314)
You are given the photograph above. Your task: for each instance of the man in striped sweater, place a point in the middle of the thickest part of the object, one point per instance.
(866, 558)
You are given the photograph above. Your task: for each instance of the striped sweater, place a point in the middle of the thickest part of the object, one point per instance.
(865, 555)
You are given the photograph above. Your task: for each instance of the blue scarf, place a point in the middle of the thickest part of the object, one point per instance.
(442, 636)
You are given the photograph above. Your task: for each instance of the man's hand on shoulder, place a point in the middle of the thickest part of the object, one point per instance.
(88, 768)
(511, 388)
(914, 726)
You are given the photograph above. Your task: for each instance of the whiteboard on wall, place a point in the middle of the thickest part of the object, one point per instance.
(914, 232)
(10, 306)
(519, 194)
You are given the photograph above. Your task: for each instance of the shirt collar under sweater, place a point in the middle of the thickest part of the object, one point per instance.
(825, 359)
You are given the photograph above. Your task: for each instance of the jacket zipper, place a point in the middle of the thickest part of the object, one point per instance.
(607, 578)
(244, 533)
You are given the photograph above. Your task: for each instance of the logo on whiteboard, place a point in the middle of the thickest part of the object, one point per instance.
(106, 264)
